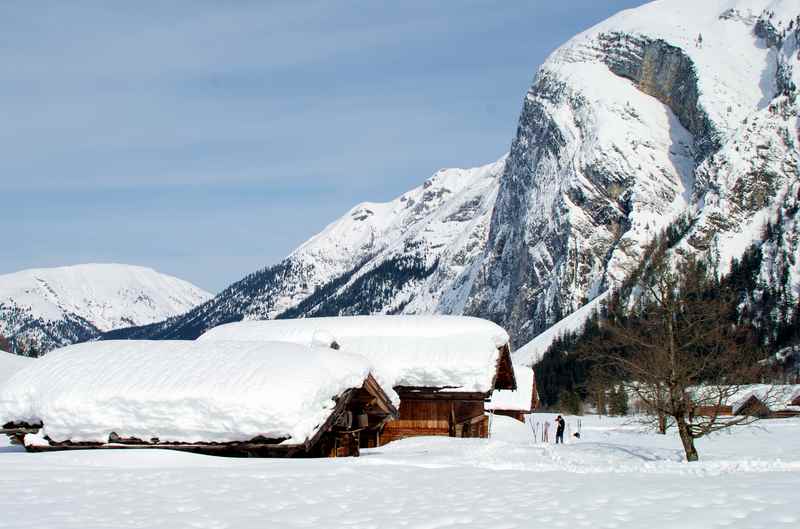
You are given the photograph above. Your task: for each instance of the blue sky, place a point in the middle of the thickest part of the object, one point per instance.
(208, 139)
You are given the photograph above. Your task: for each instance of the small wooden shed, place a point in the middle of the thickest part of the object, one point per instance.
(442, 369)
(231, 399)
(520, 402)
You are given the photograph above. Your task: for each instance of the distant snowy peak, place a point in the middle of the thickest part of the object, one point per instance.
(107, 295)
(88, 299)
(371, 227)
(432, 221)
(414, 254)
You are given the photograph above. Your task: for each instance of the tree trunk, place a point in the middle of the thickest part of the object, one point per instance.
(662, 423)
(686, 439)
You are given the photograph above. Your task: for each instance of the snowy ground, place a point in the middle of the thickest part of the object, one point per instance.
(614, 477)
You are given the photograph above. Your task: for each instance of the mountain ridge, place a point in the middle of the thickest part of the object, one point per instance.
(45, 308)
(669, 109)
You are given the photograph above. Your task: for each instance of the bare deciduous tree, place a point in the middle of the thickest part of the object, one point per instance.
(677, 351)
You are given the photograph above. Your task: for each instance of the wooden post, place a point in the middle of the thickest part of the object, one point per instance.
(451, 421)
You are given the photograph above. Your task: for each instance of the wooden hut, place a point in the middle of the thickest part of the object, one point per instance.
(752, 406)
(520, 402)
(232, 399)
(767, 401)
(442, 369)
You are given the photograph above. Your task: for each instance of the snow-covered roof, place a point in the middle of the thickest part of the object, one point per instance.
(10, 364)
(520, 399)
(775, 397)
(181, 390)
(455, 352)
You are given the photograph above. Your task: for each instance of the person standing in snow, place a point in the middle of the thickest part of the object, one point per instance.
(560, 424)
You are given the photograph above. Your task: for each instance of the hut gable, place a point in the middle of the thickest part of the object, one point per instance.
(517, 403)
(795, 401)
(234, 398)
(753, 406)
(445, 353)
(505, 374)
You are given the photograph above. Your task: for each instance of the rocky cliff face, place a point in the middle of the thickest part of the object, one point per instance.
(675, 108)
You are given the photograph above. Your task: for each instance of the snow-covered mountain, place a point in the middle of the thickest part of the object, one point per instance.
(415, 254)
(676, 108)
(57, 306)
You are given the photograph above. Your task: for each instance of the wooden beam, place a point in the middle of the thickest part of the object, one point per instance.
(226, 450)
(406, 394)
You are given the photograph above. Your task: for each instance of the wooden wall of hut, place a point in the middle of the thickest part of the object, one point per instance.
(711, 410)
(438, 413)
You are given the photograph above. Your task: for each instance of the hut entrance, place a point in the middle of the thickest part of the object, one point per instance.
(428, 412)
(363, 412)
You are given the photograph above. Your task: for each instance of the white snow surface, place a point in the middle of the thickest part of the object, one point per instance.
(181, 390)
(457, 352)
(10, 364)
(532, 352)
(109, 296)
(735, 71)
(616, 476)
(520, 399)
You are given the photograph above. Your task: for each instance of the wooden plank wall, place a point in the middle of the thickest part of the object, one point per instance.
(440, 410)
(438, 417)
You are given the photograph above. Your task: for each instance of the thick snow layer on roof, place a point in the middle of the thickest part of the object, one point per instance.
(181, 391)
(520, 399)
(457, 352)
(10, 364)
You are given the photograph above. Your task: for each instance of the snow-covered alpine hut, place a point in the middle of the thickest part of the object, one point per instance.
(519, 402)
(765, 400)
(234, 399)
(442, 369)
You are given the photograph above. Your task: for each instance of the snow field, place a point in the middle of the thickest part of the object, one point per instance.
(615, 477)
